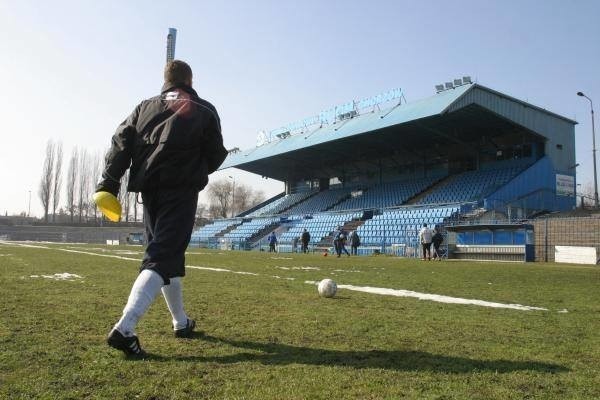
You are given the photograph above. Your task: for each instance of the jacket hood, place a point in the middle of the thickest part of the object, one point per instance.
(168, 86)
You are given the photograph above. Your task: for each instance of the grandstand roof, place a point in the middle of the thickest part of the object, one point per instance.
(453, 118)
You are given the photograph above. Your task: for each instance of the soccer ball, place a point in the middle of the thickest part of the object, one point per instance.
(325, 254)
(327, 288)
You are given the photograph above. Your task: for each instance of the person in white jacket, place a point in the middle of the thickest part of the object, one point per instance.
(425, 236)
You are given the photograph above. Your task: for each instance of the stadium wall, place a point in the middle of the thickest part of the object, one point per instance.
(533, 189)
(64, 234)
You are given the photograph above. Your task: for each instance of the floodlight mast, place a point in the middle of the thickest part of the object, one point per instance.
(593, 148)
(171, 41)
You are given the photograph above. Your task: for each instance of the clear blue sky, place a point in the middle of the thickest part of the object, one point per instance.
(74, 70)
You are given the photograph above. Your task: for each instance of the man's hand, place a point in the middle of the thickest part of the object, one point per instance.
(108, 186)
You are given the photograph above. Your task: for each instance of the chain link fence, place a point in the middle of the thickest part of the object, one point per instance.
(565, 231)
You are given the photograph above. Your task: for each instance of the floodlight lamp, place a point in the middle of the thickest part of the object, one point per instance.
(458, 82)
(467, 79)
(449, 85)
(439, 88)
(580, 94)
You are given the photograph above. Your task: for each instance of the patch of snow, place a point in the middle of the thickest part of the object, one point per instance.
(65, 276)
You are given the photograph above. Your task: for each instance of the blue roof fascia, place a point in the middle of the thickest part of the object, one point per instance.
(364, 123)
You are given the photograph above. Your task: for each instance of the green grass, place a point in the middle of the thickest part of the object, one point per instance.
(268, 338)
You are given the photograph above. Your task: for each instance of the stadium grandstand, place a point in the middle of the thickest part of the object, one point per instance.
(383, 167)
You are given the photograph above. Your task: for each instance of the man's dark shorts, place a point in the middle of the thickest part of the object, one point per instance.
(169, 219)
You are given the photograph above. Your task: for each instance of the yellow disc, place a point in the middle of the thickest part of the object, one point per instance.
(108, 204)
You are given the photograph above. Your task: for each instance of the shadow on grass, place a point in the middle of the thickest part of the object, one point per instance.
(282, 354)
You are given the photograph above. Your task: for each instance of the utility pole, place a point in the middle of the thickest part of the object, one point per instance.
(593, 149)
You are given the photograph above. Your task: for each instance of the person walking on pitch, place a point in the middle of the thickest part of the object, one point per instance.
(170, 143)
(305, 238)
(425, 236)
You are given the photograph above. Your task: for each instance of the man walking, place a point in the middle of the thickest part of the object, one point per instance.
(425, 236)
(342, 244)
(305, 238)
(272, 242)
(437, 240)
(170, 143)
(354, 243)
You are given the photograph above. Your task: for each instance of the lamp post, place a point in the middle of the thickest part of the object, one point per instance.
(593, 149)
(29, 206)
(232, 196)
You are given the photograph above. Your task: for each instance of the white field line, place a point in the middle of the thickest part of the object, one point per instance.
(222, 270)
(75, 251)
(433, 297)
(366, 289)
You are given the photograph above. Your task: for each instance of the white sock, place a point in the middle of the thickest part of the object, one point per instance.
(143, 292)
(173, 295)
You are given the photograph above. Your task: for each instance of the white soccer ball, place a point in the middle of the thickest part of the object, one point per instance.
(327, 288)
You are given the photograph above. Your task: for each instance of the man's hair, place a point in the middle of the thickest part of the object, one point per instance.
(178, 72)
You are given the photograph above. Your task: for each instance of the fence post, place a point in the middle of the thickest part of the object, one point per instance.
(546, 239)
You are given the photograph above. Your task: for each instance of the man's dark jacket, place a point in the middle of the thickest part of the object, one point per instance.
(437, 239)
(305, 237)
(169, 141)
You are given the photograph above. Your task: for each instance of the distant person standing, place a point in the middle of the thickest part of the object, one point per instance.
(272, 239)
(437, 241)
(305, 239)
(295, 244)
(170, 143)
(336, 240)
(342, 244)
(425, 236)
(354, 243)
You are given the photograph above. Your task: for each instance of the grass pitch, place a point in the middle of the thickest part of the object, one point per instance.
(267, 335)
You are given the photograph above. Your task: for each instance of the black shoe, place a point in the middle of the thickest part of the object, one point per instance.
(128, 345)
(187, 331)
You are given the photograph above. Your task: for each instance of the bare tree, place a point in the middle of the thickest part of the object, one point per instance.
(96, 173)
(587, 195)
(246, 197)
(214, 211)
(72, 177)
(124, 197)
(257, 198)
(83, 184)
(57, 184)
(45, 190)
(135, 206)
(219, 195)
(200, 211)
